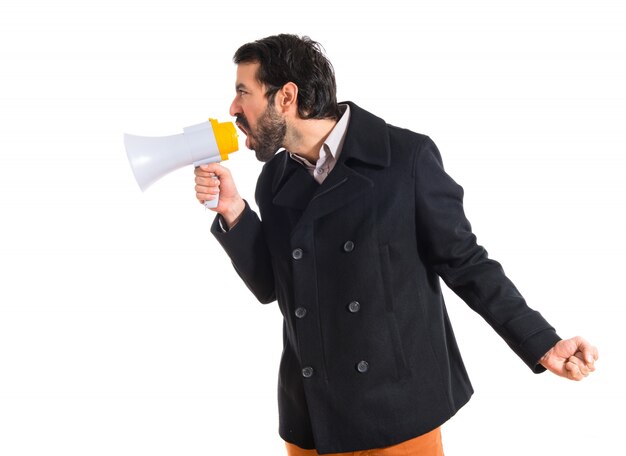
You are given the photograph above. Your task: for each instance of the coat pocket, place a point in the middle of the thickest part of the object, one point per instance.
(392, 323)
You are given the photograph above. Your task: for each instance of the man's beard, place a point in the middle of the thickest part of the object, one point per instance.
(270, 133)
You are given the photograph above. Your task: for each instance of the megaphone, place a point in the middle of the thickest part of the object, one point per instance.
(153, 157)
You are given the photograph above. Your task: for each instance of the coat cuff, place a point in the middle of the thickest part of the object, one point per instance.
(227, 236)
(535, 336)
(538, 345)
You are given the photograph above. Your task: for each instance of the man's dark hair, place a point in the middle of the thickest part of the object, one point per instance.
(289, 58)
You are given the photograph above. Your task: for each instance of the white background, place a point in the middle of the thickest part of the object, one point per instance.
(124, 329)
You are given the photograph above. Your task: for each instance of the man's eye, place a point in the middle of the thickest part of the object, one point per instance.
(241, 92)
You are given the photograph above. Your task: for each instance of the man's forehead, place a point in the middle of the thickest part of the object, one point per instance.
(246, 74)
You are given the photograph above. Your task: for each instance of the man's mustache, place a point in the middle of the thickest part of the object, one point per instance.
(241, 120)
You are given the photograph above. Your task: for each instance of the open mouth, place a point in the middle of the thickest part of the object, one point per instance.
(242, 128)
(245, 132)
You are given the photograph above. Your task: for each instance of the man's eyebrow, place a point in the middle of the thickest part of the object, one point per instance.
(241, 86)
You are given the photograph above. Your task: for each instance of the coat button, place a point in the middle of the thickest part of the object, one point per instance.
(362, 367)
(296, 254)
(354, 306)
(300, 312)
(307, 372)
(348, 246)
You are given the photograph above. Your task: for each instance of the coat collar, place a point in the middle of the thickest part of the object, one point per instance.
(367, 141)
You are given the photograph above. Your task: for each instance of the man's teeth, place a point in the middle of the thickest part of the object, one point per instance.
(243, 129)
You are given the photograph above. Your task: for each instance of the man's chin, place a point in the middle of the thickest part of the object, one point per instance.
(263, 157)
(264, 154)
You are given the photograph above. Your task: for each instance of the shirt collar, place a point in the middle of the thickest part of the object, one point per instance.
(335, 139)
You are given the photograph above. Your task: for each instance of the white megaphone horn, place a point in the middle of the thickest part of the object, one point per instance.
(153, 157)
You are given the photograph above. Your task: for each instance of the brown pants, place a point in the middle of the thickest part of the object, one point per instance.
(425, 445)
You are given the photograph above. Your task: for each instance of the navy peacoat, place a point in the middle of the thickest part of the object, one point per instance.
(369, 357)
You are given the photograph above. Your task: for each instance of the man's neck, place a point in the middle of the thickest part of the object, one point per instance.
(305, 137)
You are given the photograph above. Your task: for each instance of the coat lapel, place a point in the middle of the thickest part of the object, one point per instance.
(366, 142)
(342, 186)
(294, 186)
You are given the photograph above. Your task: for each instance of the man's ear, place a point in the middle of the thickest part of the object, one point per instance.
(287, 97)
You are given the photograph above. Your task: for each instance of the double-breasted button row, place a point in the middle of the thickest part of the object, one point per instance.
(362, 367)
(353, 307)
(297, 253)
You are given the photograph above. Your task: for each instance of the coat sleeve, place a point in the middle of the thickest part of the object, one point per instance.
(464, 266)
(246, 247)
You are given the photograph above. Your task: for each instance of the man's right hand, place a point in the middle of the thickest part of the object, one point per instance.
(212, 180)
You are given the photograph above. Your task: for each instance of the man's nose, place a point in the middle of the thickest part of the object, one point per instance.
(234, 108)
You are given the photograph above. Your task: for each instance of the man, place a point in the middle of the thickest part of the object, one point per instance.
(359, 222)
